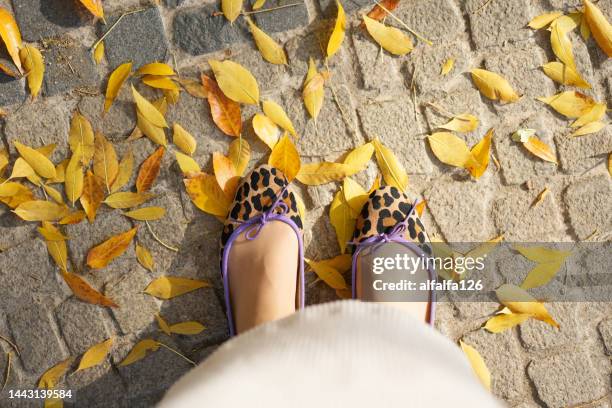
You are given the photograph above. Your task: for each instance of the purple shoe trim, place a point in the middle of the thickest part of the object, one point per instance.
(254, 226)
(396, 235)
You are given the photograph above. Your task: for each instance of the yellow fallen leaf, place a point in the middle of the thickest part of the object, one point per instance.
(341, 218)
(484, 248)
(60, 172)
(355, 195)
(392, 170)
(543, 20)
(34, 65)
(314, 174)
(540, 149)
(155, 133)
(236, 82)
(478, 364)
(493, 86)
(481, 153)
(562, 46)
(73, 218)
(10, 35)
(541, 254)
(337, 35)
(327, 274)
(83, 290)
(51, 377)
(125, 171)
(286, 158)
(168, 287)
(543, 194)
(585, 31)
(139, 351)
(81, 133)
(74, 179)
(463, 123)
(266, 130)
(92, 196)
(163, 325)
(156, 68)
(187, 165)
(225, 173)
(224, 111)
(313, 92)
(519, 301)
(572, 104)
(41, 211)
(160, 82)
(359, 157)
(270, 50)
(561, 73)
(541, 274)
(183, 140)
(452, 150)
(187, 328)
(599, 26)
(447, 66)
(127, 199)
(390, 38)
(146, 213)
(231, 9)
(503, 322)
(101, 255)
(593, 115)
(258, 4)
(56, 244)
(95, 355)
(342, 263)
(115, 81)
(38, 161)
(54, 194)
(274, 111)
(149, 169)
(589, 128)
(94, 7)
(144, 257)
(148, 111)
(206, 194)
(99, 52)
(240, 154)
(106, 166)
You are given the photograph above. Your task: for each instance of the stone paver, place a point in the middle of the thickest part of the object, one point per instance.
(368, 95)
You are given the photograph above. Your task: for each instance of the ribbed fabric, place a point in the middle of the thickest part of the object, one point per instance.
(340, 354)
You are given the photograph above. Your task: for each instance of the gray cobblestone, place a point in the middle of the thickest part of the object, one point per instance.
(11, 90)
(139, 37)
(579, 154)
(566, 379)
(589, 206)
(95, 387)
(605, 330)
(537, 335)
(200, 32)
(443, 17)
(47, 18)
(283, 19)
(500, 22)
(378, 69)
(68, 66)
(82, 325)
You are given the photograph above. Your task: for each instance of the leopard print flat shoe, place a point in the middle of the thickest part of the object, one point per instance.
(389, 216)
(261, 197)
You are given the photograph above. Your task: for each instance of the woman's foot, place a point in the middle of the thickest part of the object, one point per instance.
(383, 263)
(261, 251)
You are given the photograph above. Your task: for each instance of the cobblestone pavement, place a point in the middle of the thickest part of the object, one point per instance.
(533, 365)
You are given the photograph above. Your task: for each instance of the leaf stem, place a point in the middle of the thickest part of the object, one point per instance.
(177, 353)
(247, 13)
(417, 35)
(93, 47)
(159, 240)
(11, 343)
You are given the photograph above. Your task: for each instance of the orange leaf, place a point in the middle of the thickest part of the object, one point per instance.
(149, 170)
(206, 194)
(85, 292)
(93, 194)
(100, 256)
(94, 7)
(225, 112)
(378, 13)
(225, 173)
(9, 32)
